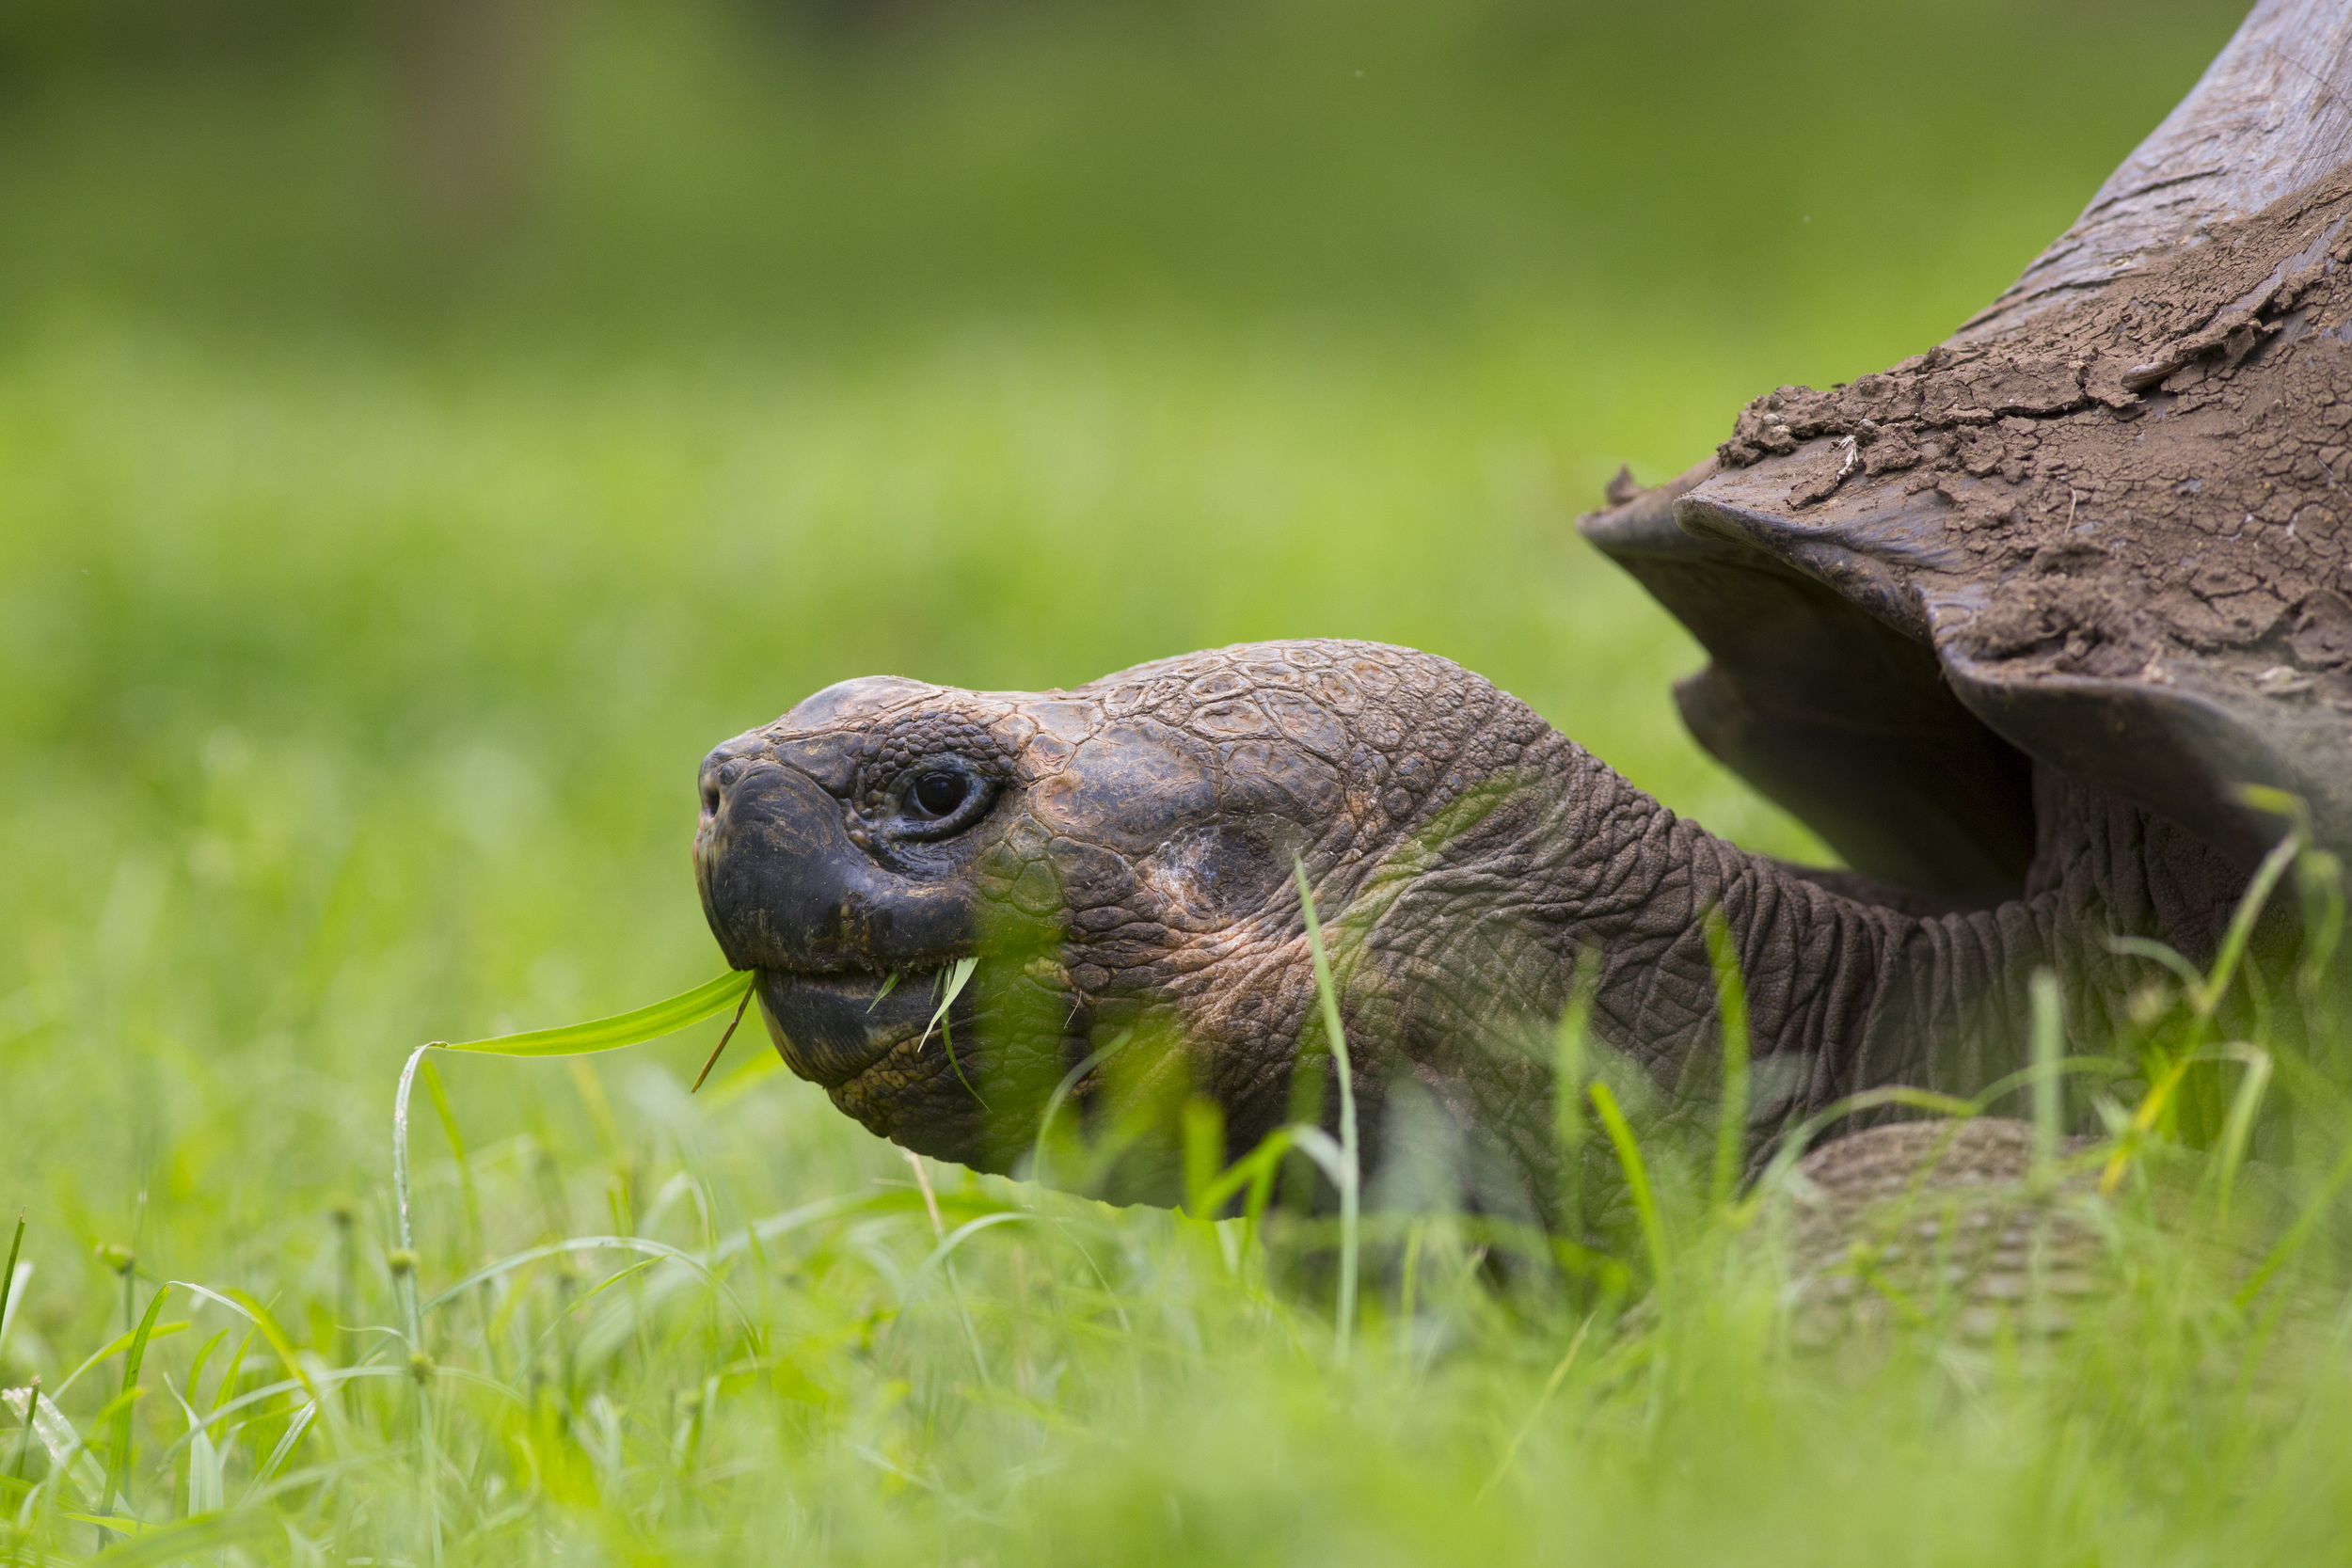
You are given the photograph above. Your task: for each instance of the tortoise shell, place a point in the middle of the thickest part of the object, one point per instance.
(2103, 528)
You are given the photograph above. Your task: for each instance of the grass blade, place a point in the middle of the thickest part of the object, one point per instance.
(2156, 952)
(1336, 1036)
(2274, 865)
(1731, 1010)
(67, 1451)
(8, 1283)
(186, 1539)
(682, 1011)
(1636, 1176)
(2049, 1042)
(2315, 1210)
(1551, 1387)
(641, 1244)
(272, 1335)
(450, 1130)
(2239, 1127)
(1570, 1044)
(2320, 879)
(208, 1493)
(1061, 1092)
(1252, 1170)
(278, 1455)
(719, 1050)
(958, 976)
(327, 1378)
(115, 1346)
(119, 1466)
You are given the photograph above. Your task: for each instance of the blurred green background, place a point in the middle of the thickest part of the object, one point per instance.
(425, 428)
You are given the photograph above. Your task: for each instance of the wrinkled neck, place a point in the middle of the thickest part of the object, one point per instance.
(1576, 871)
(1844, 991)
(1471, 953)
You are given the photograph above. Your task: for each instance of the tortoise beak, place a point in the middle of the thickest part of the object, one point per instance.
(789, 894)
(784, 887)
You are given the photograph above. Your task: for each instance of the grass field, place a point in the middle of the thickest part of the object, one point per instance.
(367, 594)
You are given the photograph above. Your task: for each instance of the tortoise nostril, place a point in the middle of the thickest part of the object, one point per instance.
(719, 772)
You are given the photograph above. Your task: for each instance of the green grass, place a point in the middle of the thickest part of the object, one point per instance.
(364, 610)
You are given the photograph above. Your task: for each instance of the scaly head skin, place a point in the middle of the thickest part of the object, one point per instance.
(1117, 857)
(1120, 862)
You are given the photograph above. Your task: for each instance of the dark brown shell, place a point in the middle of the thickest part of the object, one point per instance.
(2105, 526)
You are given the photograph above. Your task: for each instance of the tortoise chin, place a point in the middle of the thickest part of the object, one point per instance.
(829, 1028)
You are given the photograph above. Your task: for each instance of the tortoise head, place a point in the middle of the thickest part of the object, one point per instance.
(1116, 860)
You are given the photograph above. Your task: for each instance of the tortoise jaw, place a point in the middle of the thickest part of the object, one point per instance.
(831, 1026)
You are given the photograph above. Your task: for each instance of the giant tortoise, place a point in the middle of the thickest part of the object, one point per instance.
(2011, 624)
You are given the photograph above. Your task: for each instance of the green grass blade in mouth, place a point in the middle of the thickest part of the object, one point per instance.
(719, 1049)
(681, 1012)
(958, 974)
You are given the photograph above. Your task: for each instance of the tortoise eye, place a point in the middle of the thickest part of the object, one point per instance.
(938, 793)
(936, 799)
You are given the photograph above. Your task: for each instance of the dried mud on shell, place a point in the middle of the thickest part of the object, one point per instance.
(2153, 474)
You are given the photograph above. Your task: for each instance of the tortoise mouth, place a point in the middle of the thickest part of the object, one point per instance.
(831, 1026)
